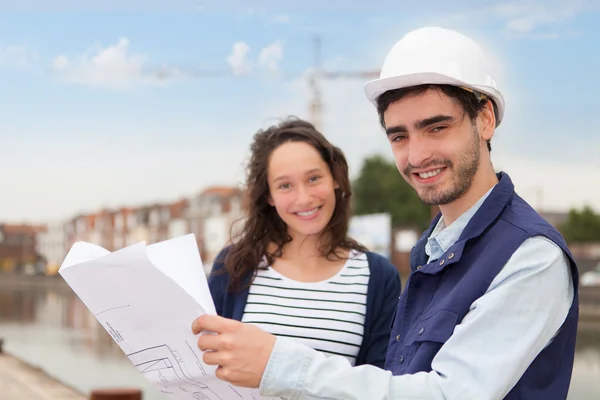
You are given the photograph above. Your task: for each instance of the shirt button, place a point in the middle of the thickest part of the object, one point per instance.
(398, 338)
(421, 331)
(401, 360)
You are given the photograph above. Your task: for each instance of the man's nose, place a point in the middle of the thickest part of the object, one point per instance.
(419, 150)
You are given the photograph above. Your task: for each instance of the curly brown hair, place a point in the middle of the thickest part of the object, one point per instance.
(262, 226)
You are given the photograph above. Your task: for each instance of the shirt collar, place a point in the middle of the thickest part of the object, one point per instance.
(443, 237)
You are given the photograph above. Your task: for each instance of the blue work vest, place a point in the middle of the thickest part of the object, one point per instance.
(439, 293)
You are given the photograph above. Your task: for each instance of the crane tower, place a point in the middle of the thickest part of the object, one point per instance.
(315, 78)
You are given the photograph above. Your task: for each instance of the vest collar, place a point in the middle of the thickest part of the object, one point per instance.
(489, 212)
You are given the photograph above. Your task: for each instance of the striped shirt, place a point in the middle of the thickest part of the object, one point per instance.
(328, 316)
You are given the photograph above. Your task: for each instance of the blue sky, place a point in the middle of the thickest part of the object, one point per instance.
(107, 105)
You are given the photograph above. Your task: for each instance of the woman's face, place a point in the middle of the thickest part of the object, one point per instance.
(301, 188)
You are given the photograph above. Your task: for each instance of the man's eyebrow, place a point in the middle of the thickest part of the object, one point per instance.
(433, 120)
(395, 129)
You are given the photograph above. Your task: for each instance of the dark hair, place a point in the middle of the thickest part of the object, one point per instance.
(262, 225)
(471, 102)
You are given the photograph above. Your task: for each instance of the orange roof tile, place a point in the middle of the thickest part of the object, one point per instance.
(224, 191)
(23, 229)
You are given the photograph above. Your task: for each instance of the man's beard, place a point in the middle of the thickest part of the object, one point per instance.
(462, 179)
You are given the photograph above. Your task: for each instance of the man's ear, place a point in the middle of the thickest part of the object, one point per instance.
(487, 122)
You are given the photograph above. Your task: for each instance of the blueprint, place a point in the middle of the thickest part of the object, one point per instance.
(146, 297)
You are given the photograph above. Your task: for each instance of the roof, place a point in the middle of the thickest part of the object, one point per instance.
(19, 229)
(176, 209)
(223, 191)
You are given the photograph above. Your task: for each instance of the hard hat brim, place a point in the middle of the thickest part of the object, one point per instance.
(375, 88)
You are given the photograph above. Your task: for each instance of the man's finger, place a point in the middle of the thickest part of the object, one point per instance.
(213, 323)
(224, 374)
(209, 342)
(213, 358)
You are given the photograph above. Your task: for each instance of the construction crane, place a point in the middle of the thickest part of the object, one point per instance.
(318, 74)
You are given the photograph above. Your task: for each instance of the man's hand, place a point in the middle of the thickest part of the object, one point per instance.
(240, 350)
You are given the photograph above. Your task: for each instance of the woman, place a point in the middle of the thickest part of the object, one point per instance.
(292, 270)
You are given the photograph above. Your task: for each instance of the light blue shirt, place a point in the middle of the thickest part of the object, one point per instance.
(487, 354)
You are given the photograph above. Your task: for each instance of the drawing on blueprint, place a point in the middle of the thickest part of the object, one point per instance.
(256, 396)
(165, 367)
(111, 309)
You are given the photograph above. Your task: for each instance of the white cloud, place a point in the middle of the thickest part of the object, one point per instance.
(237, 59)
(268, 58)
(113, 67)
(17, 55)
(526, 17)
(60, 62)
(535, 19)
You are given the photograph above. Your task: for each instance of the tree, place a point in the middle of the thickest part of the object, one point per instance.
(380, 188)
(581, 226)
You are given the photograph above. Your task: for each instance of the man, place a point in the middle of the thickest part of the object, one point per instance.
(491, 307)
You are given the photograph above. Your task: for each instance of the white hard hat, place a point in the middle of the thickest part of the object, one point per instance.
(434, 55)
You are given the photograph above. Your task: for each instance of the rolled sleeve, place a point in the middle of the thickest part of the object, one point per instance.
(286, 371)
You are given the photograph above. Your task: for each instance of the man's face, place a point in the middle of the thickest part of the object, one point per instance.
(435, 144)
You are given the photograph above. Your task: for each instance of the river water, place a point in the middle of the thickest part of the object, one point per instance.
(52, 329)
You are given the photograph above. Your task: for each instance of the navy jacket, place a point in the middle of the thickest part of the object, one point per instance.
(382, 298)
(439, 294)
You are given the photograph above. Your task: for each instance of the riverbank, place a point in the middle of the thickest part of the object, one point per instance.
(20, 381)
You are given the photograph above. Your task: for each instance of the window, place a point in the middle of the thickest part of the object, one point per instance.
(119, 222)
(131, 222)
(117, 242)
(80, 226)
(154, 217)
(216, 206)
